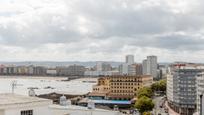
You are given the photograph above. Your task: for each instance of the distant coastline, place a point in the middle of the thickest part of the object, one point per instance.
(34, 77)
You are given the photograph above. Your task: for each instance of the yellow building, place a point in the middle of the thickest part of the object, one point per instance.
(120, 87)
(102, 88)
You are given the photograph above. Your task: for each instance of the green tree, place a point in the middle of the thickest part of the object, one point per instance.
(145, 91)
(144, 104)
(155, 86)
(162, 86)
(159, 86)
(146, 113)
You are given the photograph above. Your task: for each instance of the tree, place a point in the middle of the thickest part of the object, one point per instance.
(144, 104)
(162, 86)
(145, 91)
(146, 113)
(155, 86)
(159, 86)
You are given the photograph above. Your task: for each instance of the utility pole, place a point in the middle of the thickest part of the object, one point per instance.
(13, 85)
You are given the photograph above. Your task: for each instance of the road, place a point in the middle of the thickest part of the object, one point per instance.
(157, 108)
(171, 111)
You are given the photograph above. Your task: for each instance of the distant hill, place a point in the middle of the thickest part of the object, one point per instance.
(67, 63)
(53, 64)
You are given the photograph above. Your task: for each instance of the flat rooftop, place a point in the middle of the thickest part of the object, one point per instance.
(102, 101)
(78, 110)
(112, 102)
(9, 99)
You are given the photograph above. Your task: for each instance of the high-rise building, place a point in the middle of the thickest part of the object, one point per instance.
(98, 66)
(131, 69)
(106, 67)
(130, 59)
(144, 67)
(135, 69)
(139, 69)
(152, 66)
(181, 88)
(127, 68)
(123, 69)
(163, 71)
(103, 66)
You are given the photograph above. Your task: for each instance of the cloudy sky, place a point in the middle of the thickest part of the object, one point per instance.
(90, 30)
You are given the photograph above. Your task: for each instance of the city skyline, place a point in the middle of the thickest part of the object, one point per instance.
(102, 57)
(61, 30)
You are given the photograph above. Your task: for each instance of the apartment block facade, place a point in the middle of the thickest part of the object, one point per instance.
(181, 88)
(120, 87)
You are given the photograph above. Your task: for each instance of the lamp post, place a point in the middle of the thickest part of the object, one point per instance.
(201, 104)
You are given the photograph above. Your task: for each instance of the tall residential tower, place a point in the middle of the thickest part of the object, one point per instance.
(130, 59)
(150, 66)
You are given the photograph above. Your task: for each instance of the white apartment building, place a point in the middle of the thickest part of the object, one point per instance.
(200, 91)
(170, 87)
(130, 59)
(103, 66)
(152, 66)
(181, 88)
(132, 70)
(123, 69)
(149, 66)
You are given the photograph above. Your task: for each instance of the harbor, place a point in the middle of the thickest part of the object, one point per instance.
(46, 85)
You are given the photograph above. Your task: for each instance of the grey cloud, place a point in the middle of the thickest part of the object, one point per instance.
(122, 22)
(171, 42)
(156, 19)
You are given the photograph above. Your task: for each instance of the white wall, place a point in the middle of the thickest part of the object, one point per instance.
(42, 110)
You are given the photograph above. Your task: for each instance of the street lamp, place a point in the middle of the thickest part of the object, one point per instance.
(201, 104)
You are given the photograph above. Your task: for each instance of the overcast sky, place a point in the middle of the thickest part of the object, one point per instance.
(106, 30)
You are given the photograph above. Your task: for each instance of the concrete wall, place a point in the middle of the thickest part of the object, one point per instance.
(42, 110)
(1, 112)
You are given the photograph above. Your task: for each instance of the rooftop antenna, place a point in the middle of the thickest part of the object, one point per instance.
(13, 85)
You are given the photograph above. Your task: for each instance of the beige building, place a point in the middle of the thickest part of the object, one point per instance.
(102, 88)
(120, 87)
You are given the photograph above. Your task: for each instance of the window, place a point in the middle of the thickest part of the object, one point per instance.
(27, 112)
